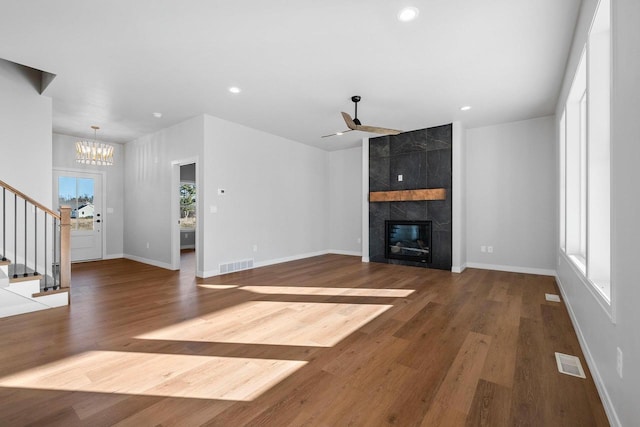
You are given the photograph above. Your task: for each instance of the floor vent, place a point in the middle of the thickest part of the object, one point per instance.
(231, 267)
(552, 297)
(569, 365)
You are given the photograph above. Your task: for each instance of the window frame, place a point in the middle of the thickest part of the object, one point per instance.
(585, 164)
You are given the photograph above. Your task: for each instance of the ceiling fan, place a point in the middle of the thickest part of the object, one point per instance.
(355, 124)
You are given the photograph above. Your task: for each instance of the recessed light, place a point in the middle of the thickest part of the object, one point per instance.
(339, 133)
(408, 13)
(234, 89)
(157, 115)
(465, 108)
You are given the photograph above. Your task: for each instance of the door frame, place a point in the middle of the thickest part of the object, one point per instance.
(103, 201)
(175, 212)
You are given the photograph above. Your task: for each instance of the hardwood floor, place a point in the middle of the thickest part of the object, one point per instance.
(325, 341)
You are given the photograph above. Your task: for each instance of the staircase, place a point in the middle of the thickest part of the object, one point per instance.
(38, 239)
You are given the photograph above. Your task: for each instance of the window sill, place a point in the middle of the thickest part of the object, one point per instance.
(580, 263)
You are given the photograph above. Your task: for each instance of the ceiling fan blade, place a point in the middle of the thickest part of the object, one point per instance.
(375, 129)
(349, 121)
(336, 133)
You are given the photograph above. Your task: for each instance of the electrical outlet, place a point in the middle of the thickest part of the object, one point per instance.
(619, 362)
(147, 245)
(490, 249)
(483, 249)
(255, 248)
(359, 240)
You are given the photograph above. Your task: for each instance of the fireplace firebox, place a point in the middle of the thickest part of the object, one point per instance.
(408, 240)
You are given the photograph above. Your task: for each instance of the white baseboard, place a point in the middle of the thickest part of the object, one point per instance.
(188, 247)
(512, 269)
(206, 274)
(288, 259)
(149, 261)
(113, 256)
(365, 259)
(458, 268)
(341, 252)
(597, 378)
(211, 273)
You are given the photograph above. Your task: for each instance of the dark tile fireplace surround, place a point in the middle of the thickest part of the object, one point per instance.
(423, 158)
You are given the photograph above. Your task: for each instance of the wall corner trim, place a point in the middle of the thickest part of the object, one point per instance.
(512, 269)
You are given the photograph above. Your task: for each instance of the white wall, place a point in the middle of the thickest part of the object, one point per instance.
(599, 333)
(113, 211)
(25, 132)
(345, 201)
(148, 189)
(276, 196)
(25, 144)
(281, 196)
(511, 196)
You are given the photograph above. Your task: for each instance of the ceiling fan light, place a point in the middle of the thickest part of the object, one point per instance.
(408, 14)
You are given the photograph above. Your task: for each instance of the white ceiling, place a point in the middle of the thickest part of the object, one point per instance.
(297, 62)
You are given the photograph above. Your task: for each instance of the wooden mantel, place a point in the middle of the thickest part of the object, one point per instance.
(408, 195)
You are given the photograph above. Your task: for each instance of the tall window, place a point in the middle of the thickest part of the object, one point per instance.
(585, 160)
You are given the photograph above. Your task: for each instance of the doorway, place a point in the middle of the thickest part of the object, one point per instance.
(185, 189)
(82, 191)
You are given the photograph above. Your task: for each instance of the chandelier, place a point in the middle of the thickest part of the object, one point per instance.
(94, 152)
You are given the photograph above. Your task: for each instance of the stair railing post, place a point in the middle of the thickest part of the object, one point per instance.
(35, 241)
(4, 224)
(46, 278)
(15, 233)
(65, 247)
(25, 239)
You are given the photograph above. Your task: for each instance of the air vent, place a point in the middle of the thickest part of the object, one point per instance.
(233, 266)
(552, 297)
(569, 365)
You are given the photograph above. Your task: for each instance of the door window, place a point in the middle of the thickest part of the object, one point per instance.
(78, 193)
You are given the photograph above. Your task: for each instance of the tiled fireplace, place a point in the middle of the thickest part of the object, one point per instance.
(416, 160)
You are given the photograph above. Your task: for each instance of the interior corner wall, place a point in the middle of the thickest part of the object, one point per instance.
(147, 189)
(25, 132)
(345, 201)
(275, 197)
(459, 199)
(601, 335)
(64, 153)
(511, 196)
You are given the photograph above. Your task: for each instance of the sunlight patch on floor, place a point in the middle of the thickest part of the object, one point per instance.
(150, 374)
(274, 323)
(217, 287)
(302, 290)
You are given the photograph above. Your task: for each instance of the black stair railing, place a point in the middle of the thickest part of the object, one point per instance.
(4, 225)
(29, 242)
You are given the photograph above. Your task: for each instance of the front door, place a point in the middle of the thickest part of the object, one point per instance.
(83, 192)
